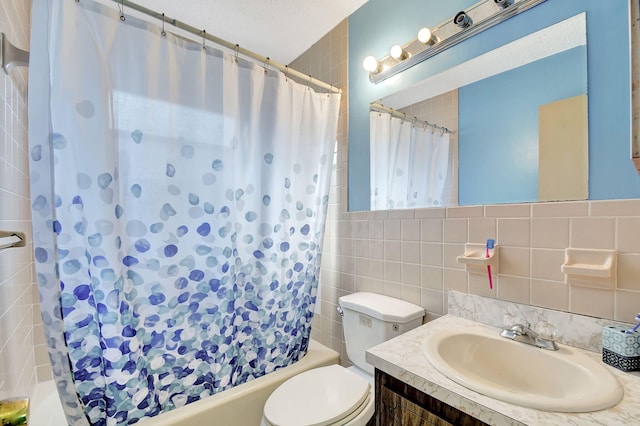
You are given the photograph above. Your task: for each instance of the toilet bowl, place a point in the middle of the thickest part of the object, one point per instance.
(336, 395)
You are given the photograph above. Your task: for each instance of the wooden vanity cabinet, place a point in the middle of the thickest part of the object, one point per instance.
(398, 404)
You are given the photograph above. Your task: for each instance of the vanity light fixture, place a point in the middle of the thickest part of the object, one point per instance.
(431, 41)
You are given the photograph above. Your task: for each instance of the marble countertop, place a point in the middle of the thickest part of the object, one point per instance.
(403, 359)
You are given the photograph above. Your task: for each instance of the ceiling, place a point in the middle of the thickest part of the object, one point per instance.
(279, 29)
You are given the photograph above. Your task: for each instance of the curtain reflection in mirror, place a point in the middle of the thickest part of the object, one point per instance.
(409, 163)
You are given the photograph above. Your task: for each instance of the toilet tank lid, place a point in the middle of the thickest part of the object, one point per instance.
(382, 307)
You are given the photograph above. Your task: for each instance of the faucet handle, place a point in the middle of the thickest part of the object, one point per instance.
(546, 330)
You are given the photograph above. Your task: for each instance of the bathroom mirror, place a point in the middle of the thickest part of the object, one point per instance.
(522, 129)
(634, 9)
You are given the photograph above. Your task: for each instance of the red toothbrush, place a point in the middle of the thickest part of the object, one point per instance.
(490, 245)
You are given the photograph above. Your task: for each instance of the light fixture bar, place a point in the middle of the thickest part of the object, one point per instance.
(484, 15)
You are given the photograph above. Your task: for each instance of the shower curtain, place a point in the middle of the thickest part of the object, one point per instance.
(409, 163)
(178, 197)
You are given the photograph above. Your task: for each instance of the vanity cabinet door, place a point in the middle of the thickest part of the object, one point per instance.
(399, 404)
(396, 410)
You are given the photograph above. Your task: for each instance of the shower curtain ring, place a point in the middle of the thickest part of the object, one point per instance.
(266, 64)
(163, 33)
(204, 39)
(286, 73)
(237, 52)
(122, 18)
(309, 82)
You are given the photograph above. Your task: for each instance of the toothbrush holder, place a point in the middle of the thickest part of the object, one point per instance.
(621, 349)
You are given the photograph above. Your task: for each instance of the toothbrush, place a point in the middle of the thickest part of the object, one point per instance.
(491, 245)
(632, 330)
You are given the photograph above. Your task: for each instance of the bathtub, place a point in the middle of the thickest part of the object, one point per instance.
(239, 406)
(44, 407)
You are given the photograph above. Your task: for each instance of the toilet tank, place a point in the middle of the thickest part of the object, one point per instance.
(369, 319)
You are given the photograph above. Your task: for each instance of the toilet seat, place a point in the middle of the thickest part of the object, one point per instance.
(320, 397)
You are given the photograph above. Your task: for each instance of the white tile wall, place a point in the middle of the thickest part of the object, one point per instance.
(19, 316)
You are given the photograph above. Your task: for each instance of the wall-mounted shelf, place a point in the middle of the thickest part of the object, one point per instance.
(476, 261)
(590, 268)
(11, 239)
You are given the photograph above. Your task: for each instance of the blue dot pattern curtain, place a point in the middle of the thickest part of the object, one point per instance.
(179, 199)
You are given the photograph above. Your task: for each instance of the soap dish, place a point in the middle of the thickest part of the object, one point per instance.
(590, 268)
(475, 258)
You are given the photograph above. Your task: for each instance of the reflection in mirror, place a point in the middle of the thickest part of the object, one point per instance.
(503, 99)
(414, 162)
(635, 82)
(565, 120)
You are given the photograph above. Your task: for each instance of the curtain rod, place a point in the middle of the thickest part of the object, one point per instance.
(379, 107)
(235, 47)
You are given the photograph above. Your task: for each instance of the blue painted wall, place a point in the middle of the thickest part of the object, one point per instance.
(498, 121)
(379, 24)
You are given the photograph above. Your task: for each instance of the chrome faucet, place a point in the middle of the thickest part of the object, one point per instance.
(543, 337)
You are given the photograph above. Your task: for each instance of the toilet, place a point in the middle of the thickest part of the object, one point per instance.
(335, 395)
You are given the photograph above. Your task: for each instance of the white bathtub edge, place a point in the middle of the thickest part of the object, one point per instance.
(241, 405)
(45, 406)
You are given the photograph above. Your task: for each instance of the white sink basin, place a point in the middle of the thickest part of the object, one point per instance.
(565, 380)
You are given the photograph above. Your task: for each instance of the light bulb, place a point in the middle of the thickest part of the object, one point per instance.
(370, 64)
(425, 36)
(397, 52)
